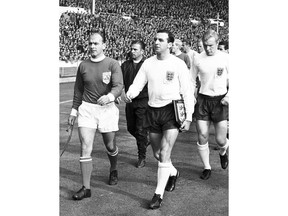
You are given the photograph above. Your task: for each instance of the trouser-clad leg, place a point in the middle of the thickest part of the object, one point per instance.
(135, 113)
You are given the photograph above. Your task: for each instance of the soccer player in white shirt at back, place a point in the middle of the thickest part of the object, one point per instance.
(212, 102)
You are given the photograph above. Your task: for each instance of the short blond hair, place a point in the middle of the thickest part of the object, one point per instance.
(178, 42)
(210, 33)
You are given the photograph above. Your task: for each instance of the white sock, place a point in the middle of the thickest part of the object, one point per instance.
(224, 148)
(173, 170)
(163, 173)
(204, 154)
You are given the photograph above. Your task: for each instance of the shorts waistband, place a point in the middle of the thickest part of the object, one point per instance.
(159, 108)
(212, 97)
(97, 105)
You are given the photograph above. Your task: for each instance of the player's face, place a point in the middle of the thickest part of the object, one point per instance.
(174, 48)
(96, 45)
(210, 46)
(161, 43)
(221, 48)
(136, 51)
(200, 47)
(185, 47)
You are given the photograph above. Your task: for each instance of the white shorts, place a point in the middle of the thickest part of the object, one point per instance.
(104, 118)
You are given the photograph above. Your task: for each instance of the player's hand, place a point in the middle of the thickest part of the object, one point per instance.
(71, 120)
(118, 100)
(185, 126)
(103, 100)
(225, 101)
(127, 99)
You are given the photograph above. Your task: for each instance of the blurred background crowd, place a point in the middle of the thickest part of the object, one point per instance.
(126, 20)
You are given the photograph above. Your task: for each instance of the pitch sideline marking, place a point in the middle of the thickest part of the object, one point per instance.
(65, 101)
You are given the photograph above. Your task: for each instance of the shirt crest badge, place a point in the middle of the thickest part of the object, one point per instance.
(169, 75)
(220, 71)
(106, 77)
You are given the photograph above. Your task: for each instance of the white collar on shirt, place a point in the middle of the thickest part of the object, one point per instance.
(98, 59)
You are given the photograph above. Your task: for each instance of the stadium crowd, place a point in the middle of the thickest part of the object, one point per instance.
(126, 20)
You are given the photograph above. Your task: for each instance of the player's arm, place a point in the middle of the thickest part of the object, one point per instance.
(77, 97)
(138, 83)
(186, 89)
(117, 85)
(225, 100)
(194, 75)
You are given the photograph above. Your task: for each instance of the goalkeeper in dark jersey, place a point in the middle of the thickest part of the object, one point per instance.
(98, 82)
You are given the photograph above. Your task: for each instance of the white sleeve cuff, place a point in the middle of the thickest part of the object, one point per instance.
(129, 95)
(111, 97)
(74, 112)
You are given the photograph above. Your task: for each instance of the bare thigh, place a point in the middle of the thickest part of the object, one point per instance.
(203, 131)
(86, 136)
(221, 132)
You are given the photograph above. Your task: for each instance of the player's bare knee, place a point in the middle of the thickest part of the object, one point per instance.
(113, 152)
(220, 140)
(203, 138)
(111, 147)
(86, 149)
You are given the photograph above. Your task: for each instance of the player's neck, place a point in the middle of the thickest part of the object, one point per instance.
(137, 60)
(178, 52)
(163, 55)
(98, 58)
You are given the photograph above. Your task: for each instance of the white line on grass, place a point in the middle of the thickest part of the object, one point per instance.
(65, 101)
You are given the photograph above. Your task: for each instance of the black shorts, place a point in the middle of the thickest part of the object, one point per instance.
(160, 119)
(210, 108)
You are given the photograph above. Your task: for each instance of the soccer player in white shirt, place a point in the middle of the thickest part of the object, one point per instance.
(166, 76)
(212, 102)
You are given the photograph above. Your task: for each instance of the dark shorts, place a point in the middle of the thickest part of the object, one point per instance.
(160, 119)
(210, 108)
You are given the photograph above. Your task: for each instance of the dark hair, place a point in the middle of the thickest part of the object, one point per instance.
(225, 43)
(222, 43)
(101, 33)
(170, 35)
(188, 42)
(141, 43)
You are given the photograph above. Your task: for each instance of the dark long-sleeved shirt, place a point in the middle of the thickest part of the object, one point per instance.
(95, 79)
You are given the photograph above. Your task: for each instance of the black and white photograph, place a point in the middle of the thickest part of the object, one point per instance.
(124, 150)
(143, 107)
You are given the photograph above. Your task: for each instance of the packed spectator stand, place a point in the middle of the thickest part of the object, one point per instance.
(126, 20)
